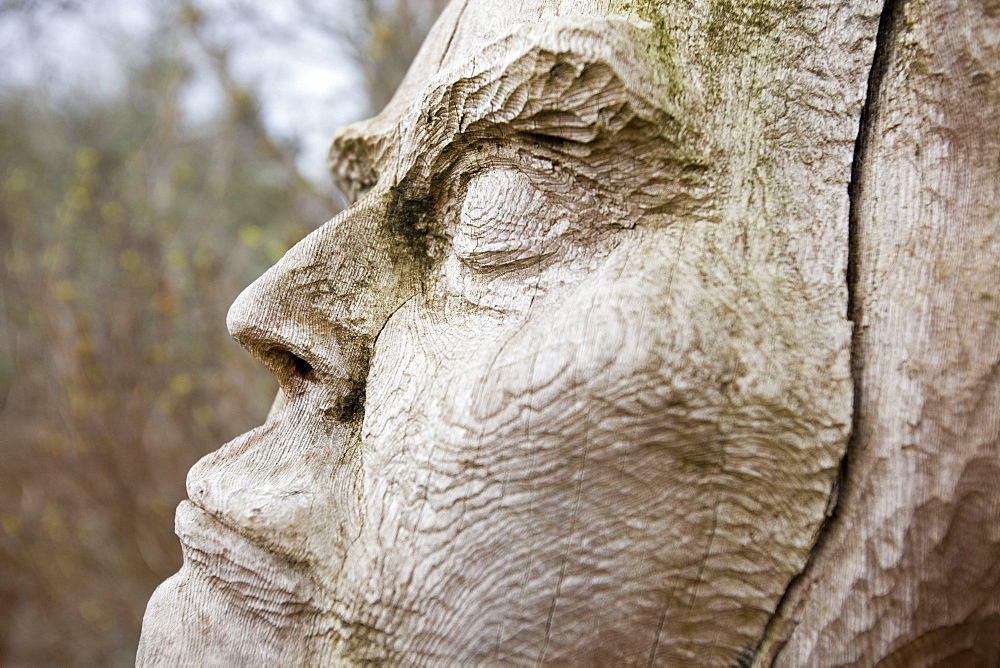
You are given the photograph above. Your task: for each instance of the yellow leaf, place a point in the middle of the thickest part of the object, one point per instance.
(11, 525)
(202, 414)
(87, 158)
(250, 235)
(91, 611)
(181, 384)
(63, 291)
(113, 212)
(130, 260)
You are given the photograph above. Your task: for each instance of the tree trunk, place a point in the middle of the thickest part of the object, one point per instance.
(575, 380)
(908, 570)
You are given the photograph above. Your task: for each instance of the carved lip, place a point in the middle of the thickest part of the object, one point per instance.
(258, 579)
(268, 586)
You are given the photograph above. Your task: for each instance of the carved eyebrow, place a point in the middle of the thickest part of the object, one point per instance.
(542, 94)
(559, 89)
(541, 102)
(593, 103)
(559, 94)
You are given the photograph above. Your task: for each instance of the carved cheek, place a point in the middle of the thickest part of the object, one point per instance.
(505, 220)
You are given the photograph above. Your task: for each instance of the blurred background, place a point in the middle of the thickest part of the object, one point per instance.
(155, 158)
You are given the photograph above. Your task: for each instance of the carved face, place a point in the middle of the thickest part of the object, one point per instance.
(529, 410)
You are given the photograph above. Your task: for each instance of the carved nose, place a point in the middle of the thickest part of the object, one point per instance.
(312, 318)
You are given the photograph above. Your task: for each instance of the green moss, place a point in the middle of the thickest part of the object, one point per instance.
(662, 48)
(735, 25)
(407, 219)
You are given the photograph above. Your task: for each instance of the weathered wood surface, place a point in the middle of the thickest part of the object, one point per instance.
(909, 572)
(571, 381)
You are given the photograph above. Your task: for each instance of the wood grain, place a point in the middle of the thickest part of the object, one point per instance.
(571, 382)
(909, 571)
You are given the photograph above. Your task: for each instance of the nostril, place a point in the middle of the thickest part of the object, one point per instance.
(291, 370)
(302, 368)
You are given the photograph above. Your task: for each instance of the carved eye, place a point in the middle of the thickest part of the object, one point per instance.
(505, 221)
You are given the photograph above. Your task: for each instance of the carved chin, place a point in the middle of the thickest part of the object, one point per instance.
(231, 603)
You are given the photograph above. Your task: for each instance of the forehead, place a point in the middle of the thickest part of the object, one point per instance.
(569, 81)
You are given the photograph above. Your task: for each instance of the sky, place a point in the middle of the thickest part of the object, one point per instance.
(298, 61)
